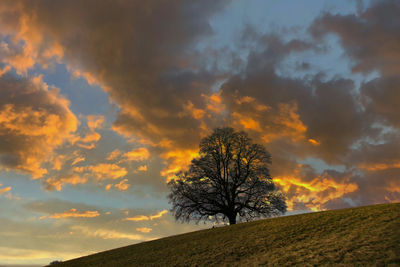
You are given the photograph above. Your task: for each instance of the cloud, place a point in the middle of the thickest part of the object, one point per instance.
(361, 36)
(139, 218)
(177, 160)
(316, 193)
(138, 154)
(144, 229)
(34, 120)
(103, 171)
(59, 181)
(107, 234)
(4, 189)
(73, 213)
(95, 121)
(142, 168)
(77, 160)
(114, 154)
(122, 185)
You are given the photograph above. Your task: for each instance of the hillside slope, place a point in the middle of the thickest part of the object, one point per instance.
(363, 236)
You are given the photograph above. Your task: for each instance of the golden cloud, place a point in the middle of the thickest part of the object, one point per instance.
(314, 142)
(144, 229)
(107, 234)
(214, 102)
(177, 160)
(142, 168)
(73, 213)
(315, 193)
(246, 122)
(91, 137)
(286, 123)
(34, 120)
(139, 218)
(58, 182)
(190, 109)
(58, 161)
(103, 171)
(158, 214)
(379, 166)
(95, 121)
(138, 154)
(77, 160)
(114, 154)
(108, 187)
(84, 146)
(4, 189)
(122, 185)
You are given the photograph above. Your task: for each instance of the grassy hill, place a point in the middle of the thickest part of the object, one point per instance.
(363, 236)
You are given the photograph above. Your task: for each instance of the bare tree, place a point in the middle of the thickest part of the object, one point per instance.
(229, 178)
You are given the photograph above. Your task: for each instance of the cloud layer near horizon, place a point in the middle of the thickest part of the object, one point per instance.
(148, 57)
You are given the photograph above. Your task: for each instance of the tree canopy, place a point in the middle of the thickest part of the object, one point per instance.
(230, 178)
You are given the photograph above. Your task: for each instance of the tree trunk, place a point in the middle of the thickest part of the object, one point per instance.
(232, 219)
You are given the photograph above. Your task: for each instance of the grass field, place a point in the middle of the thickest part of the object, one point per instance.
(363, 236)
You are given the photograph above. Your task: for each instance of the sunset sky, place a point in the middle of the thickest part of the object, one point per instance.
(101, 102)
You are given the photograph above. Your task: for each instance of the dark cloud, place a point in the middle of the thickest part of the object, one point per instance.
(34, 120)
(371, 38)
(381, 97)
(324, 107)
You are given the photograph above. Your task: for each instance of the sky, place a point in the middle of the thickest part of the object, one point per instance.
(102, 102)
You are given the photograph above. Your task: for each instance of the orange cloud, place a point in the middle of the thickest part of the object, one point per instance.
(144, 229)
(4, 70)
(122, 186)
(108, 187)
(103, 170)
(35, 48)
(288, 122)
(59, 182)
(89, 147)
(35, 120)
(379, 166)
(270, 123)
(142, 168)
(58, 162)
(158, 214)
(315, 193)
(114, 154)
(196, 113)
(91, 137)
(214, 102)
(77, 160)
(247, 122)
(314, 142)
(107, 234)
(139, 218)
(137, 154)
(176, 161)
(73, 213)
(95, 121)
(4, 190)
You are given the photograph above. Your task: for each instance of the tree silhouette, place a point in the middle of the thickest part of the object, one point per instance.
(229, 178)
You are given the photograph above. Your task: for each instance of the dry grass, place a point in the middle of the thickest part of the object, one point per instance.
(364, 236)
